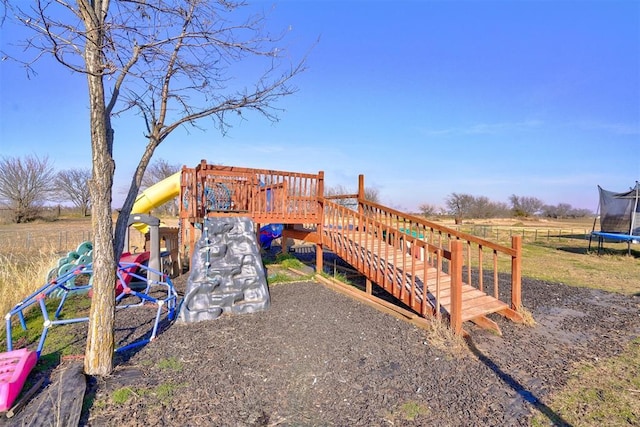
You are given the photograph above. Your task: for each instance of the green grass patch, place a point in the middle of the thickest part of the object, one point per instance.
(284, 260)
(341, 277)
(280, 277)
(170, 364)
(58, 338)
(122, 395)
(292, 263)
(408, 411)
(604, 392)
(164, 392)
(574, 265)
(411, 410)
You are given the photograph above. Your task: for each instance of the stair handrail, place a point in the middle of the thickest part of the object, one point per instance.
(411, 224)
(515, 251)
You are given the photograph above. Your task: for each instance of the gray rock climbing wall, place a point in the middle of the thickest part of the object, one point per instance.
(227, 274)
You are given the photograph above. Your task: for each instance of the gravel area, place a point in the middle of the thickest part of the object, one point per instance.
(319, 358)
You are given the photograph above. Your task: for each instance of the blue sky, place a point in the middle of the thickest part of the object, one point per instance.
(425, 98)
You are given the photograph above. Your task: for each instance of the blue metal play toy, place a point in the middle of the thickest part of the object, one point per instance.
(139, 286)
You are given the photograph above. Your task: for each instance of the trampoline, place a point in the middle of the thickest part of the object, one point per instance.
(619, 217)
(615, 237)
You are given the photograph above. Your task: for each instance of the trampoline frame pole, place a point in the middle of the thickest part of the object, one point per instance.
(633, 212)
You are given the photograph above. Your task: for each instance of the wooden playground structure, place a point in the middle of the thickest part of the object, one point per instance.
(431, 269)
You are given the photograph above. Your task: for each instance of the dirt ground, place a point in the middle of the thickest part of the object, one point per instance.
(319, 358)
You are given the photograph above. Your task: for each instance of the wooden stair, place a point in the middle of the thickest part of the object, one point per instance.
(411, 280)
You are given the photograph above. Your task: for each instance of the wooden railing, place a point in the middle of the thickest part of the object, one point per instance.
(267, 196)
(420, 254)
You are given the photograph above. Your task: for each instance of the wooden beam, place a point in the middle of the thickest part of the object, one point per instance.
(310, 236)
(377, 303)
(486, 323)
(511, 314)
(25, 398)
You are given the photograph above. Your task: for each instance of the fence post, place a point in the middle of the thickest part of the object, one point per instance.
(457, 253)
(516, 273)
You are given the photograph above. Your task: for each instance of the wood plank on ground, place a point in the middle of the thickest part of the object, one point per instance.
(60, 403)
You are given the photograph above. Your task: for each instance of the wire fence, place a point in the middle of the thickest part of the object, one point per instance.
(529, 235)
(32, 241)
(68, 240)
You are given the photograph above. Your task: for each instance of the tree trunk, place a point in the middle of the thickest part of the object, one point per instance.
(100, 336)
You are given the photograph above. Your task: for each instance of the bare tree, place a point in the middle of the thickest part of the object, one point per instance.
(25, 185)
(341, 190)
(459, 205)
(173, 63)
(372, 194)
(525, 206)
(158, 170)
(564, 210)
(72, 185)
(428, 210)
(482, 207)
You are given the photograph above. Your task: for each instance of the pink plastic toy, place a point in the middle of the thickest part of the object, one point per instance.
(14, 368)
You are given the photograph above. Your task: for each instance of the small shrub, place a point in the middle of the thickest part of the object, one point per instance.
(442, 337)
(527, 316)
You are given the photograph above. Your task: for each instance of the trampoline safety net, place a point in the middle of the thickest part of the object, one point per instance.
(620, 212)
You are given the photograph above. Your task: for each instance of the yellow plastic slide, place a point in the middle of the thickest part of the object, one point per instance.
(156, 195)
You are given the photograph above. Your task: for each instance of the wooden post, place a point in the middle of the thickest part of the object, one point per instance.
(360, 193)
(285, 239)
(457, 255)
(516, 273)
(368, 286)
(320, 222)
(192, 242)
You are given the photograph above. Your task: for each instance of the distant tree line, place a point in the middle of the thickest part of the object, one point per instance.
(462, 206)
(29, 183)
